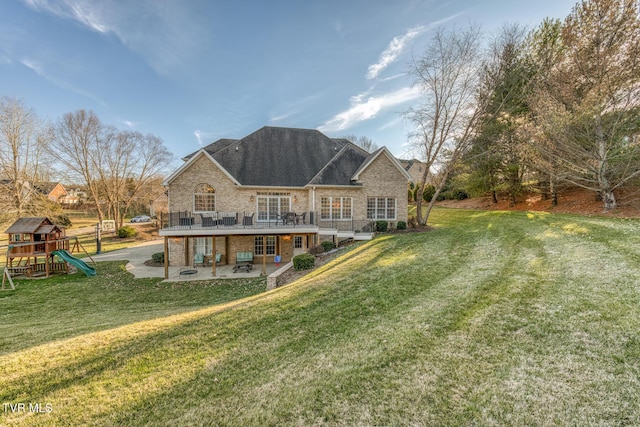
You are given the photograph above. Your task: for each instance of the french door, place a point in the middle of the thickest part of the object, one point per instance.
(270, 208)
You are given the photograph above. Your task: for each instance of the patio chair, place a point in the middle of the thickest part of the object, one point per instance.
(198, 259)
(289, 218)
(248, 219)
(208, 221)
(230, 220)
(301, 218)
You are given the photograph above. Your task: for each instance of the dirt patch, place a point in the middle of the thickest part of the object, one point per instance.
(574, 200)
(146, 230)
(292, 274)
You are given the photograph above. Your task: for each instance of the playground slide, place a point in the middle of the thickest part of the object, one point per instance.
(81, 265)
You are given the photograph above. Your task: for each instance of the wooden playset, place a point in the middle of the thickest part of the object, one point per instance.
(33, 244)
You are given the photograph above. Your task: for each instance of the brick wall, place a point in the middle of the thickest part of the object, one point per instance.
(380, 179)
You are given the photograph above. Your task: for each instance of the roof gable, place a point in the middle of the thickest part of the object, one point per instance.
(30, 225)
(383, 151)
(46, 188)
(278, 157)
(340, 170)
(191, 159)
(213, 147)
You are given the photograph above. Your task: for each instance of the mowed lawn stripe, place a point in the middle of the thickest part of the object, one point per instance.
(492, 318)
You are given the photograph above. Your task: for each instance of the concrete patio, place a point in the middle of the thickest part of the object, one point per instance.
(137, 255)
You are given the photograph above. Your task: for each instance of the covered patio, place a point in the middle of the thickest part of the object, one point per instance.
(138, 256)
(181, 274)
(231, 253)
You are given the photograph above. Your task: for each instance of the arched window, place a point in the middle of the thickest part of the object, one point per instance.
(204, 198)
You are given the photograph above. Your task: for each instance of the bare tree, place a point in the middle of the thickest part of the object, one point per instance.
(79, 144)
(113, 165)
(133, 161)
(588, 102)
(363, 142)
(448, 75)
(22, 136)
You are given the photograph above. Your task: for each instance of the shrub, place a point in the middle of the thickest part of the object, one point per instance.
(327, 245)
(316, 250)
(158, 257)
(126, 231)
(62, 220)
(428, 192)
(457, 194)
(382, 226)
(401, 225)
(303, 262)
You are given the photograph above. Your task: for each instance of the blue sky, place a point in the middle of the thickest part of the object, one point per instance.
(194, 71)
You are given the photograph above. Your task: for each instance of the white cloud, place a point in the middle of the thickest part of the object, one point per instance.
(393, 51)
(365, 108)
(395, 76)
(33, 65)
(391, 123)
(39, 69)
(198, 136)
(281, 117)
(294, 108)
(4, 59)
(398, 44)
(78, 11)
(204, 138)
(165, 34)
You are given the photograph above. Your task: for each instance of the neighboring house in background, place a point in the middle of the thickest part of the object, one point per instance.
(74, 196)
(159, 205)
(53, 191)
(415, 168)
(277, 192)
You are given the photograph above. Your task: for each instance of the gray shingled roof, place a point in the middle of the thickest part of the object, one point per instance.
(341, 168)
(28, 225)
(45, 187)
(288, 157)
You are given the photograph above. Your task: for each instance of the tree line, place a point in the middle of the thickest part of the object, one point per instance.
(556, 104)
(113, 166)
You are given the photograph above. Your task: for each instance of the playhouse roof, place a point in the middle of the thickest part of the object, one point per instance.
(32, 225)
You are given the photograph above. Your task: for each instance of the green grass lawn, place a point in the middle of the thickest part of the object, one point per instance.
(493, 318)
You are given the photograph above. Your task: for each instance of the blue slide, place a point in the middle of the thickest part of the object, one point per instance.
(80, 264)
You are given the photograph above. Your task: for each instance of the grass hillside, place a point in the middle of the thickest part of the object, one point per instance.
(493, 318)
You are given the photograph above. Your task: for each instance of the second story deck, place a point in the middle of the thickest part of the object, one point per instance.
(248, 223)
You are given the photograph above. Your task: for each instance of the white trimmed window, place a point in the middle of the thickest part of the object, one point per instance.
(336, 208)
(203, 245)
(204, 198)
(383, 208)
(258, 245)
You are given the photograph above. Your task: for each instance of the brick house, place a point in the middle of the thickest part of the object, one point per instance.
(54, 191)
(415, 168)
(278, 192)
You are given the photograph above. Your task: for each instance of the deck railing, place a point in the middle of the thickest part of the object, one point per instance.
(227, 220)
(358, 226)
(18, 249)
